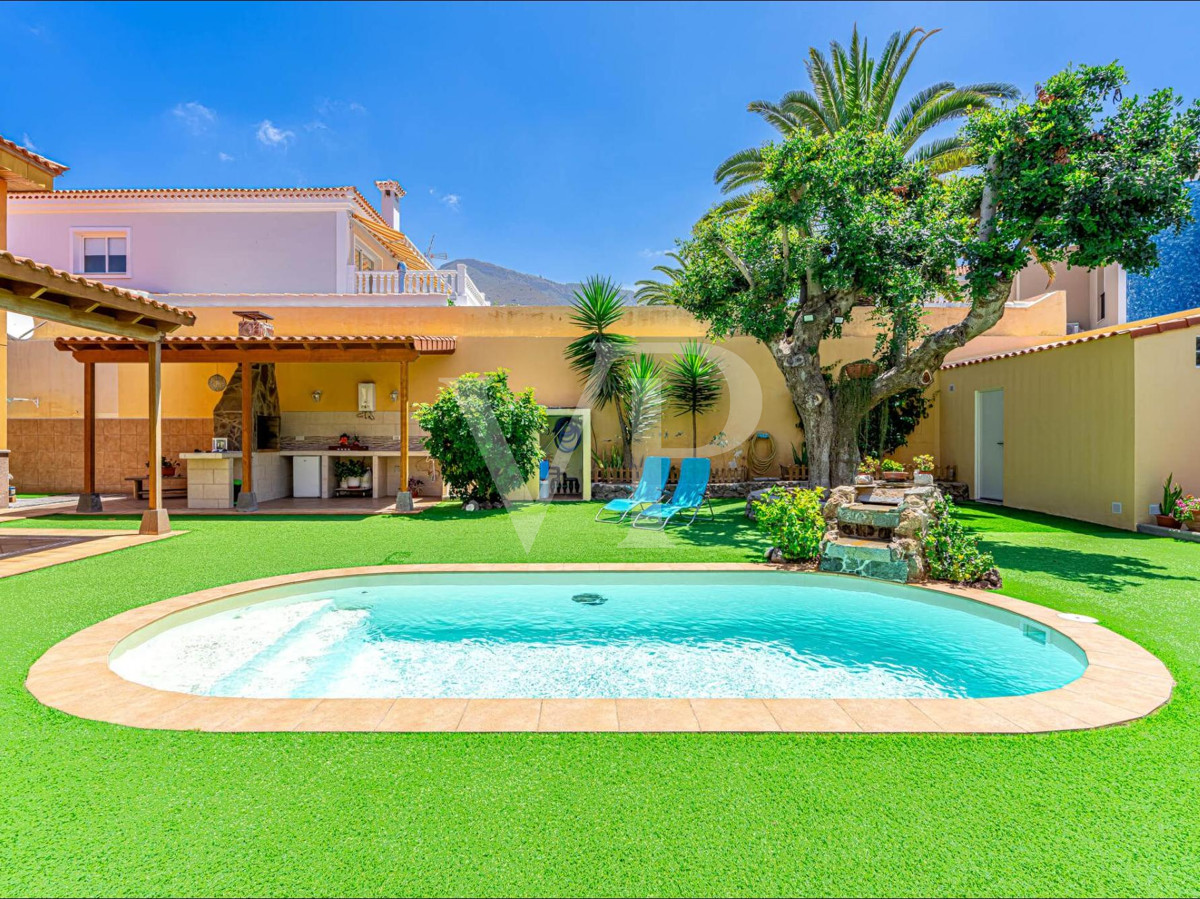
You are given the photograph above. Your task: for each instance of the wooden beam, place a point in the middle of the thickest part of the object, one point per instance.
(154, 373)
(29, 291)
(247, 426)
(42, 307)
(89, 428)
(117, 354)
(404, 469)
(79, 304)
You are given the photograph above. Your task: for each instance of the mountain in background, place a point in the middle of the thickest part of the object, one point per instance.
(506, 287)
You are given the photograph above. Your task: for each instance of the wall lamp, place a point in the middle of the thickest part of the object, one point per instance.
(316, 396)
(395, 395)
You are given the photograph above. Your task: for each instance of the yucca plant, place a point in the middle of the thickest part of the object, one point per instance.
(693, 384)
(600, 356)
(849, 88)
(643, 398)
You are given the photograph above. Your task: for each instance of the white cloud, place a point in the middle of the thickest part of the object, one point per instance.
(270, 136)
(316, 126)
(224, 157)
(326, 106)
(28, 143)
(452, 200)
(652, 254)
(196, 117)
(357, 107)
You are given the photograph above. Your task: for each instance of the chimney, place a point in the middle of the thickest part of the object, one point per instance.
(389, 202)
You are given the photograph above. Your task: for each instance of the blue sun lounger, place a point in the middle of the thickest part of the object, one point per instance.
(688, 497)
(650, 489)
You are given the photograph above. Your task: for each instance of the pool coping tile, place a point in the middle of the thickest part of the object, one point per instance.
(1122, 682)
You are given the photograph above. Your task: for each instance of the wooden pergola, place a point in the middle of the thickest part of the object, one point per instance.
(45, 292)
(246, 351)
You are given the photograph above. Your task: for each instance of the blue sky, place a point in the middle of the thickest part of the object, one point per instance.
(560, 140)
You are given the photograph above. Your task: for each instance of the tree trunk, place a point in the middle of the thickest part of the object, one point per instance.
(694, 434)
(814, 404)
(626, 438)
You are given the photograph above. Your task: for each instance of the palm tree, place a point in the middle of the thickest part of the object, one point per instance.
(600, 356)
(850, 88)
(693, 383)
(643, 398)
(658, 293)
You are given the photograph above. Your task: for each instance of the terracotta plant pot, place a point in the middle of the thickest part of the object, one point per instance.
(895, 475)
(1167, 521)
(1193, 526)
(168, 472)
(861, 370)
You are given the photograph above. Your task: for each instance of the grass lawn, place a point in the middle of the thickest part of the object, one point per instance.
(89, 808)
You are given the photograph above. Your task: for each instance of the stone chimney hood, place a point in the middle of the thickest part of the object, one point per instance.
(389, 202)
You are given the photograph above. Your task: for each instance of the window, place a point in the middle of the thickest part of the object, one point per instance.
(100, 253)
(1103, 306)
(104, 255)
(363, 261)
(1198, 352)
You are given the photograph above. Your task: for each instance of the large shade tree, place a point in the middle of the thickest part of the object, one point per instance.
(848, 224)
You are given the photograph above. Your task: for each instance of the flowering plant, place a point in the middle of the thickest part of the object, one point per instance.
(1187, 508)
(923, 463)
(868, 465)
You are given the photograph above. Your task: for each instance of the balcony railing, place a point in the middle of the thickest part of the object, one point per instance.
(455, 285)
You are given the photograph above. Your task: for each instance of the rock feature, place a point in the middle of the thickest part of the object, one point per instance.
(877, 530)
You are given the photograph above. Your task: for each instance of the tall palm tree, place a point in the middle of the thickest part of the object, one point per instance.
(600, 356)
(850, 88)
(693, 383)
(658, 293)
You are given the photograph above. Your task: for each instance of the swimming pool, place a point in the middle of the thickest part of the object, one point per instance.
(573, 634)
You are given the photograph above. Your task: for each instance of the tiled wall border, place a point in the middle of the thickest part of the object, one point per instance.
(1122, 682)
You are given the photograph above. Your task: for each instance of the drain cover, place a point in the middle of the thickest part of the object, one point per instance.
(589, 599)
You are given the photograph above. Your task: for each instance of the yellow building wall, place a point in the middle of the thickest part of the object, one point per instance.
(1167, 417)
(529, 341)
(1068, 428)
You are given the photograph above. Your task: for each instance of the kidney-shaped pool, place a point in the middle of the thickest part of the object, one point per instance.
(635, 634)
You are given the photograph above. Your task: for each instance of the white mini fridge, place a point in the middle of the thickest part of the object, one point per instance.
(306, 476)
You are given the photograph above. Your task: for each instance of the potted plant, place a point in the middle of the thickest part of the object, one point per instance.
(868, 470)
(167, 466)
(1172, 494)
(349, 473)
(893, 470)
(414, 487)
(923, 470)
(1187, 510)
(862, 369)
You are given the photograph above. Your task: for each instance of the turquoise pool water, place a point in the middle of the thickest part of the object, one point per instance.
(599, 634)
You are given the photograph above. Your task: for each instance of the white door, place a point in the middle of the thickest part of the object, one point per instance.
(989, 445)
(306, 476)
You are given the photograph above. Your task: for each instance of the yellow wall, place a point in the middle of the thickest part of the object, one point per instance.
(529, 341)
(1068, 436)
(1167, 420)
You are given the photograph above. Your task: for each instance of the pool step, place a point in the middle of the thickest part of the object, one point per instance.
(871, 558)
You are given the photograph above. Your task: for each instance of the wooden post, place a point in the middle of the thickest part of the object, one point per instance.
(155, 519)
(404, 500)
(247, 501)
(89, 499)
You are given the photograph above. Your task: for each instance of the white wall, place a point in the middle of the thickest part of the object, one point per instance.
(192, 247)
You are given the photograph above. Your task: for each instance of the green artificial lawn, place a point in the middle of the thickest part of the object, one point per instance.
(90, 808)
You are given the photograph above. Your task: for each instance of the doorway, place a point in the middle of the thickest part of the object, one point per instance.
(989, 445)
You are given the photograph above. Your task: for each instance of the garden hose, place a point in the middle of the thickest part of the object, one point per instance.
(759, 465)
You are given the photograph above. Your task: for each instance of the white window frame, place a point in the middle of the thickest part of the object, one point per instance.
(361, 247)
(77, 236)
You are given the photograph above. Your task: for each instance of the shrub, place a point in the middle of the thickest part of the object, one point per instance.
(892, 465)
(953, 553)
(484, 437)
(923, 463)
(793, 519)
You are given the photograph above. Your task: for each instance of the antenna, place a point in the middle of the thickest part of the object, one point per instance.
(429, 254)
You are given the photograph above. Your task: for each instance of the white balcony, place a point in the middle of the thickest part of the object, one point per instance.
(454, 285)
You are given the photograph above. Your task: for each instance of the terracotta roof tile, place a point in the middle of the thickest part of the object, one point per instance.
(205, 193)
(67, 277)
(54, 168)
(1133, 329)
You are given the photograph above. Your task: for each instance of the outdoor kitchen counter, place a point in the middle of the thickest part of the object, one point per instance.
(211, 476)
